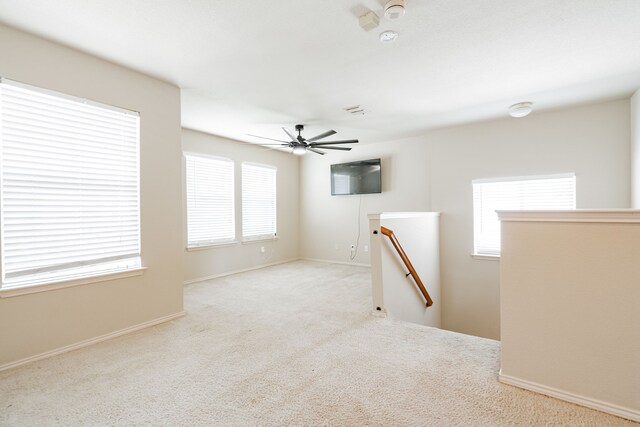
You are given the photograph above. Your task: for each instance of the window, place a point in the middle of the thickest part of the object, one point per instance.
(69, 193)
(527, 193)
(210, 208)
(258, 202)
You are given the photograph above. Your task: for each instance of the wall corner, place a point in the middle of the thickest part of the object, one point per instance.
(635, 149)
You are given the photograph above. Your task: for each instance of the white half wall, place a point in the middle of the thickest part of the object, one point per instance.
(433, 172)
(635, 150)
(569, 305)
(394, 291)
(216, 261)
(40, 323)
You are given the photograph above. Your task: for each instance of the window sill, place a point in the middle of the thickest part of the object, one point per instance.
(50, 286)
(258, 240)
(211, 245)
(486, 257)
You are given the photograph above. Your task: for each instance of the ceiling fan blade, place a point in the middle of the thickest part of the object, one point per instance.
(333, 148)
(346, 141)
(286, 144)
(322, 135)
(291, 135)
(270, 139)
(315, 151)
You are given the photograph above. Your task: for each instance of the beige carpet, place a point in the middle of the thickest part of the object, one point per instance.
(293, 344)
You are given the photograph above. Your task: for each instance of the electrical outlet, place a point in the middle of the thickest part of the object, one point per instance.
(261, 249)
(366, 248)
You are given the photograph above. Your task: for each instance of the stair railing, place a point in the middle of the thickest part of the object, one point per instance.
(412, 271)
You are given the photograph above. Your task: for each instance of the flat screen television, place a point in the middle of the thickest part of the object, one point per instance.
(362, 177)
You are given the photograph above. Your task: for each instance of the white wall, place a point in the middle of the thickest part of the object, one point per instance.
(434, 173)
(635, 150)
(41, 322)
(329, 224)
(569, 303)
(218, 260)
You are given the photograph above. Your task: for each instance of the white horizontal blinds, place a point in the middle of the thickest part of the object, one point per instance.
(528, 193)
(210, 210)
(258, 201)
(70, 193)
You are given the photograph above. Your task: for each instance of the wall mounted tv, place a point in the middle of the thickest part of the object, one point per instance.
(361, 177)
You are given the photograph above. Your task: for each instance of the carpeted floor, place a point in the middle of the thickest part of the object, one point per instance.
(293, 344)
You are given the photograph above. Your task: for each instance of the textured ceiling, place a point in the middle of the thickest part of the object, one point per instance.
(251, 66)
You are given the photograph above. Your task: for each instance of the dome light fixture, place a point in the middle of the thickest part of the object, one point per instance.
(521, 109)
(299, 150)
(388, 36)
(394, 9)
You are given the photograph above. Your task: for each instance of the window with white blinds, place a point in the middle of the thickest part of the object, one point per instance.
(69, 193)
(527, 193)
(210, 208)
(258, 201)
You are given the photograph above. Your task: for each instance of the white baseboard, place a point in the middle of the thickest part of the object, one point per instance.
(609, 408)
(91, 341)
(330, 261)
(229, 273)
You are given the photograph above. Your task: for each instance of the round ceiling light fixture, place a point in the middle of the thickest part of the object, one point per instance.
(299, 150)
(388, 36)
(394, 9)
(521, 109)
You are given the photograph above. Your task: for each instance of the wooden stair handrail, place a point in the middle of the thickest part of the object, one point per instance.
(407, 263)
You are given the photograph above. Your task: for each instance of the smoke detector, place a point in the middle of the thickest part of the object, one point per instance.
(388, 36)
(394, 9)
(521, 109)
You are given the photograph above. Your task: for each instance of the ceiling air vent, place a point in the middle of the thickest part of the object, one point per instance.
(356, 110)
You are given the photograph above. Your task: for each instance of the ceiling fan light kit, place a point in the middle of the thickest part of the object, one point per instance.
(300, 145)
(521, 109)
(299, 150)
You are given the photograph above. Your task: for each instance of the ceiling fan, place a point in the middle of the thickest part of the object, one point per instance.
(300, 145)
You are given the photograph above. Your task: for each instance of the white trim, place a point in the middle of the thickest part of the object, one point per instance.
(330, 261)
(577, 215)
(210, 246)
(609, 408)
(258, 239)
(242, 270)
(91, 341)
(396, 215)
(524, 178)
(50, 286)
(486, 257)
